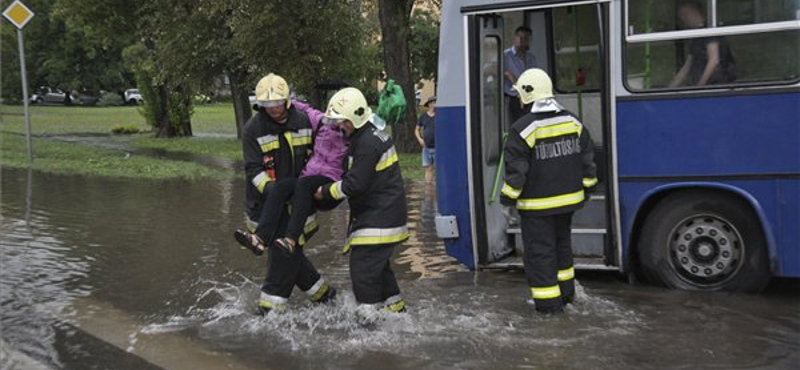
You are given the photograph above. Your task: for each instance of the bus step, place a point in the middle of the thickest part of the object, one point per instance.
(517, 230)
(515, 263)
(585, 242)
(592, 215)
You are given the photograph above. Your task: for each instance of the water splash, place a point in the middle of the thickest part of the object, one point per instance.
(442, 320)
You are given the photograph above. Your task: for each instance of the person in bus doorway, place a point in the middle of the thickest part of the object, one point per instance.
(710, 60)
(425, 133)
(549, 159)
(516, 59)
(373, 186)
(275, 145)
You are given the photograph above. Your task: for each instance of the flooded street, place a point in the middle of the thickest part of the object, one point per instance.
(124, 274)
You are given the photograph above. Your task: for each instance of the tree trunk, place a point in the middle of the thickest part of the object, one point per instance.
(163, 127)
(395, 30)
(173, 112)
(241, 103)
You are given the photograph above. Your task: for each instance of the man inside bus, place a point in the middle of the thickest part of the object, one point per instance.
(517, 59)
(710, 60)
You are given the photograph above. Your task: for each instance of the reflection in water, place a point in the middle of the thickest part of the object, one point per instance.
(144, 274)
(422, 253)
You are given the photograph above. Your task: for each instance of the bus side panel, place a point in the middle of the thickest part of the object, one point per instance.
(452, 180)
(708, 136)
(789, 209)
(751, 137)
(774, 208)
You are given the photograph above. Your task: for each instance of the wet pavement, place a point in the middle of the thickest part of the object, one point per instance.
(124, 274)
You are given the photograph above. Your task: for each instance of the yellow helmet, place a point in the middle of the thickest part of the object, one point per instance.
(349, 104)
(272, 90)
(534, 84)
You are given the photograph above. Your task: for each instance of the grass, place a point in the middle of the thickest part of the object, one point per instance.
(59, 120)
(68, 158)
(229, 148)
(411, 164)
(215, 120)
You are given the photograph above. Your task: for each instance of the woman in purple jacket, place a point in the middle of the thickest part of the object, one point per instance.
(324, 166)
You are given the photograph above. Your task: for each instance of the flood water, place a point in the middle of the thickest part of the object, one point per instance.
(124, 274)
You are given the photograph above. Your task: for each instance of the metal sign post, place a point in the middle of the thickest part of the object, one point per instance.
(19, 15)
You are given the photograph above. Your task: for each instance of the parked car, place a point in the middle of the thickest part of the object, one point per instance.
(202, 99)
(45, 94)
(87, 97)
(133, 97)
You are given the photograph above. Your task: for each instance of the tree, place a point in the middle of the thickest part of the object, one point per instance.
(306, 42)
(319, 40)
(424, 44)
(63, 55)
(394, 17)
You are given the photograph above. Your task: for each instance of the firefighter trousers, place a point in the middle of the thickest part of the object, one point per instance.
(372, 276)
(548, 260)
(284, 271)
(273, 209)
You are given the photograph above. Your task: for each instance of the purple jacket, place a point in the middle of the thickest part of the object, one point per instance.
(330, 146)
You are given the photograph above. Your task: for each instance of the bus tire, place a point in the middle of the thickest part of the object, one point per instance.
(704, 240)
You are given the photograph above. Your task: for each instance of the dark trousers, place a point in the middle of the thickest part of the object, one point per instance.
(371, 273)
(284, 272)
(548, 259)
(303, 203)
(275, 196)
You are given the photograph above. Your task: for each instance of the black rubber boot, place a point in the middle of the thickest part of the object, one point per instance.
(328, 296)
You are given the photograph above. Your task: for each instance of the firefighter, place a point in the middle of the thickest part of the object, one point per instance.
(276, 143)
(373, 186)
(549, 159)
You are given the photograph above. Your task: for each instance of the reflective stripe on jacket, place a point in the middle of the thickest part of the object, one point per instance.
(549, 159)
(374, 188)
(273, 151)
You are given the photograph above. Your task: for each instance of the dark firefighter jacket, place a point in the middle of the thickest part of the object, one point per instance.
(273, 151)
(549, 160)
(374, 187)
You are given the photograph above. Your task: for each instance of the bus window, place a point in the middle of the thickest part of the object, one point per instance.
(742, 12)
(648, 16)
(750, 49)
(491, 103)
(575, 41)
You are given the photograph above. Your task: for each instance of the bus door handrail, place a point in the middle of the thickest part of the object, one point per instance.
(499, 174)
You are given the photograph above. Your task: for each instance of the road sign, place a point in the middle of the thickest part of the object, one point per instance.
(18, 14)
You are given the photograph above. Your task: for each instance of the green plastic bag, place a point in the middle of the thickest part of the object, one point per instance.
(392, 103)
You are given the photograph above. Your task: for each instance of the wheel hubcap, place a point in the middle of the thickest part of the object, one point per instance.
(706, 250)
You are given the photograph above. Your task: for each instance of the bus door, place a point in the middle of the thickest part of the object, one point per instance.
(567, 42)
(487, 134)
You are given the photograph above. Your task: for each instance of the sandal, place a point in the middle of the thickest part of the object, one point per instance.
(286, 244)
(250, 241)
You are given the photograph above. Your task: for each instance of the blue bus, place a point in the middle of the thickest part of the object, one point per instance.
(699, 180)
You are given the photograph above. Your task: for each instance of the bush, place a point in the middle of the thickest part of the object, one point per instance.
(125, 130)
(110, 99)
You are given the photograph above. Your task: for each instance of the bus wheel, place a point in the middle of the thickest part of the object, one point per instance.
(703, 240)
